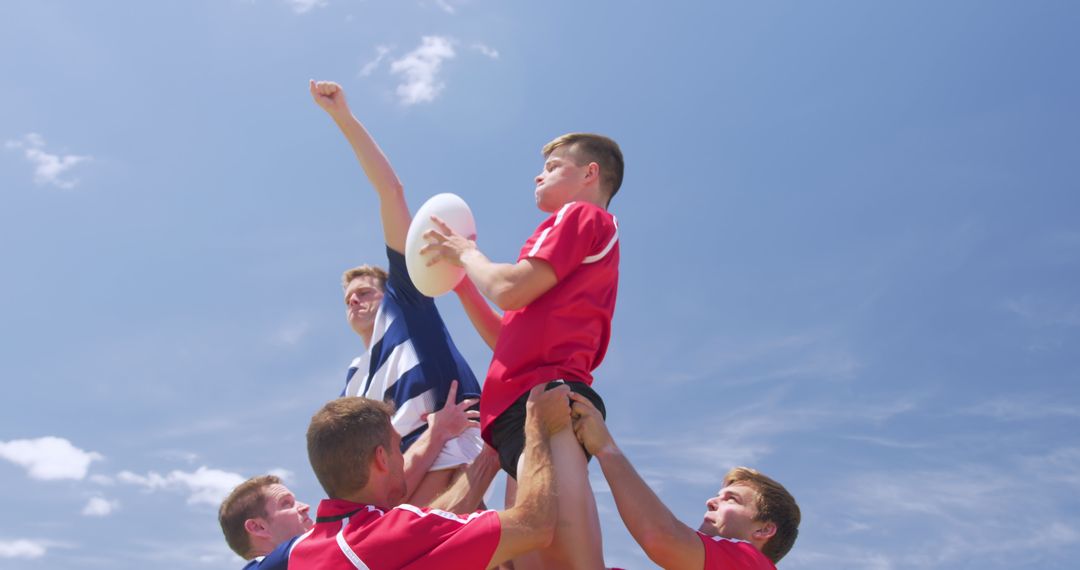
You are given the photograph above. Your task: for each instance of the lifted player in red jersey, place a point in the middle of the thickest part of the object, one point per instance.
(558, 298)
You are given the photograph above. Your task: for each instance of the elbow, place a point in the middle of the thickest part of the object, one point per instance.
(545, 532)
(540, 522)
(659, 545)
(654, 544)
(392, 190)
(509, 298)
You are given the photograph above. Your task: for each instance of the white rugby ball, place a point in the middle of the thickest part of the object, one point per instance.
(442, 277)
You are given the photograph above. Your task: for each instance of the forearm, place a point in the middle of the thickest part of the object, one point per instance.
(649, 521)
(419, 458)
(393, 209)
(487, 322)
(496, 281)
(465, 495)
(536, 481)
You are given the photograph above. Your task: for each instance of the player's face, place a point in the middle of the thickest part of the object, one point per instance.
(730, 514)
(362, 299)
(285, 516)
(560, 181)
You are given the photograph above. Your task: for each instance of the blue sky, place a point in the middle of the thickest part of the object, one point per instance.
(849, 230)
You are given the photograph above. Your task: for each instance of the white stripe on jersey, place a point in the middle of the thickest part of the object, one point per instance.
(409, 416)
(382, 324)
(543, 234)
(302, 537)
(401, 360)
(439, 513)
(724, 538)
(611, 244)
(347, 550)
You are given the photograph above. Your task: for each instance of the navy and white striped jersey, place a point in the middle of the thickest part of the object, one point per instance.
(412, 359)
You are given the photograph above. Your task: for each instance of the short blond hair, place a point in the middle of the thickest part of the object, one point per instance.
(774, 504)
(590, 147)
(246, 501)
(341, 442)
(364, 271)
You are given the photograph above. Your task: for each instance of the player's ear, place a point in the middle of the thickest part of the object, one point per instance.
(381, 461)
(765, 531)
(592, 171)
(255, 527)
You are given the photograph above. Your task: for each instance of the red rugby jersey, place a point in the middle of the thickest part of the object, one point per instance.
(351, 535)
(731, 554)
(564, 333)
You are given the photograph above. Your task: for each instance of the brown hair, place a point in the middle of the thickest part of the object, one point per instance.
(774, 504)
(341, 442)
(589, 147)
(246, 501)
(364, 271)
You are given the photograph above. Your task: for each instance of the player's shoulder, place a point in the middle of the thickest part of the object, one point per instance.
(585, 213)
(723, 552)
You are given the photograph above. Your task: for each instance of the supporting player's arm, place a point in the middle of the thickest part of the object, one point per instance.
(446, 424)
(486, 321)
(667, 541)
(465, 495)
(530, 523)
(510, 286)
(392, 206)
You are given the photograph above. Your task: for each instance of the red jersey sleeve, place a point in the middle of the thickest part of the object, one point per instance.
(730, 554)
(579, 232)
(439, 540)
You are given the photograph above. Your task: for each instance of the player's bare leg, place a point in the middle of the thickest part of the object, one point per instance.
(577, 542)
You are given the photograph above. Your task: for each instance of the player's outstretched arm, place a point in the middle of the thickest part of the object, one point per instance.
(667, 541)
(530, 523)
(446, 424)
(465, 495)
(393, 209)
(510, 286)
(486, 321)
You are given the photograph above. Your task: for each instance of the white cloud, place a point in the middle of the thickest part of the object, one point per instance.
(22, 548)
(370, 67)
(963, 494)
(809, 356)
(1042, 312)
(445, 6)
(284, 474)
(99, 507)
(486, 50)
(48, 168)
(49, 458)
(103, 480)
(204, 485)
(180, 455)
(1060, 465)
(886, 442)
(420, 68)
(291, 334)
(1020, 408)
(305, 6)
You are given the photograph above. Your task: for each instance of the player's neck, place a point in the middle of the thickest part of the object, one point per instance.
(371, 494)
(365, 335)
(594, 196)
